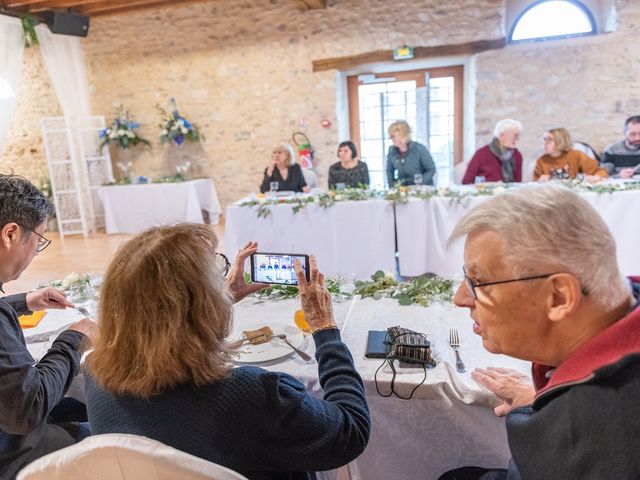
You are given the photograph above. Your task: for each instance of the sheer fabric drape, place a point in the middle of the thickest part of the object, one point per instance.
(11, 52)
(64, 60)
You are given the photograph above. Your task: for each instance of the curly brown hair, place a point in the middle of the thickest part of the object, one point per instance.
(164, 313)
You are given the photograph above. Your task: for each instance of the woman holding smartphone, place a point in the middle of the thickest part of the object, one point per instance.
(160, 367)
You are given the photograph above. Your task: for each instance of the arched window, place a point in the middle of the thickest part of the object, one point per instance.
(551, 19)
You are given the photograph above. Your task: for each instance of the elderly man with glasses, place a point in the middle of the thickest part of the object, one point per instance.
(30, 391)
(542, 284)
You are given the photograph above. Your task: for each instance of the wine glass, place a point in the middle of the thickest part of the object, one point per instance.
(417, 179)
(480, 179)
(273, 188)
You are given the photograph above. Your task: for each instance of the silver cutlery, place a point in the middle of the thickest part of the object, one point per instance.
(454, 341)
(43, 337)
(302, 354)
(83, 311)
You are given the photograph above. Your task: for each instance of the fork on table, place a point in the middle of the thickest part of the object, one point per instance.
(454, 341)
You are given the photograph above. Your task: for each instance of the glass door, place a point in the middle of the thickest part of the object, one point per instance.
(429, 100)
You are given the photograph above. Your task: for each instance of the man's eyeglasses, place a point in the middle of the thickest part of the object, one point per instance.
(472, 286)
(222, 263)
(42, 241)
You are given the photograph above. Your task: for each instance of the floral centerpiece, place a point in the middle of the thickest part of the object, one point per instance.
(122, 131)
(176, 128)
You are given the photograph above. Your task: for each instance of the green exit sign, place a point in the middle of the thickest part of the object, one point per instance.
(403, 53)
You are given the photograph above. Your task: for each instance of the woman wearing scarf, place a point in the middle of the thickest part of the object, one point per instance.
(500, 160)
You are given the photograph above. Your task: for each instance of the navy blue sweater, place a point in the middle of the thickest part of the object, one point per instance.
(262, 424)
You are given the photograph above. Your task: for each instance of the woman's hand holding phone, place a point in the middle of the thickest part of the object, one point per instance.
(236, 284)
(315, 298)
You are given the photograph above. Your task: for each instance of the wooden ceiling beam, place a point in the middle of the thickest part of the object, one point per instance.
(314, 4)
(469, 48)
(44, 5)
(20, 3)
(106, 7)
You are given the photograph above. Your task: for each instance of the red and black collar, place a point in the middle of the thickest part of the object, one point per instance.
(608, 347)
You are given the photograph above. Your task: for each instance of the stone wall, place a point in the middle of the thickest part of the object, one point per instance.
(242, 71)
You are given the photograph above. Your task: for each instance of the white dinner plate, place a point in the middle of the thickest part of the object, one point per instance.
(285, 193)
(269, 351)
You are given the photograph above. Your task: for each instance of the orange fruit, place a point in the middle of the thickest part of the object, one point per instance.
(300, 322)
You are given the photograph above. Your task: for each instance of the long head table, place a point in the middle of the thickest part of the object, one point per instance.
(356, 238)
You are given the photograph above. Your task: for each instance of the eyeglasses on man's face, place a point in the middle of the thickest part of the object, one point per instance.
(42, 241)
(222, 263)
(472, 286)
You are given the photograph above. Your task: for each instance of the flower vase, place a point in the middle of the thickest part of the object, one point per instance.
(122, 163)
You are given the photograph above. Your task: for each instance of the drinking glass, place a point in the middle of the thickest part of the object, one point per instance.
(273, 188)
(480, 179)
(341, 186)
(417, 179)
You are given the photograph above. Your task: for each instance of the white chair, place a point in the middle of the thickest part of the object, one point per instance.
(586, 149)
(123, 457)
(310, 177)
(458, 172)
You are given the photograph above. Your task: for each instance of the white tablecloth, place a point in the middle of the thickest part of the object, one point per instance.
(449, 421)
(424, 227)
(352, 239)
(134, 208)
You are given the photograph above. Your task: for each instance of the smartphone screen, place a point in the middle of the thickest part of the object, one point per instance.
(277, 267)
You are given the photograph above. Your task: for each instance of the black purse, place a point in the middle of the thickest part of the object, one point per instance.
(406, 346)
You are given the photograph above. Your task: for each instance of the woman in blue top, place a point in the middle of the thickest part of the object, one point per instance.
(160, 367)
(407, 158)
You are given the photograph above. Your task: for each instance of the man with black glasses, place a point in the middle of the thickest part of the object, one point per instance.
(541, 282)
(30, 392)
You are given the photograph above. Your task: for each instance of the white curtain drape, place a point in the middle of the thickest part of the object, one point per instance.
(64, 61)
(11, 51)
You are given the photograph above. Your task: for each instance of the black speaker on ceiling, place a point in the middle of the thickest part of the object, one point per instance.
(67, 23)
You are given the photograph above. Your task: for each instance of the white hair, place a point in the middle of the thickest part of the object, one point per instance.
(553, 229)
(292, 154)
(506, 125)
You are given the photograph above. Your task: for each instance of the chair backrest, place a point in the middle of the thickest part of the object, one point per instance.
(459, 170)
(310, 177)
(586, 149)
(124, 457)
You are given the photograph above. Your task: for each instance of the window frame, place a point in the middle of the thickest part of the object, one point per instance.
(584, 8)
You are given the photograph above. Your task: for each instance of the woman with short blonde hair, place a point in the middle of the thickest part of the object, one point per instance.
(561, 161)
(161, 367)
(283, 171)
(408, 162)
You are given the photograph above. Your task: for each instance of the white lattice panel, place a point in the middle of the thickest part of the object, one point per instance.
(77, 167)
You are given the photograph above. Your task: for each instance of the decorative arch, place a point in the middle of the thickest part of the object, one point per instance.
(552, 19)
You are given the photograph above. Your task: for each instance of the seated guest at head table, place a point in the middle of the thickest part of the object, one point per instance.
(407, 159)
(283, 171)
(349, 170)
(542, 283)
(626, 152)
(500, 160)
(561, 161)
(161, 367)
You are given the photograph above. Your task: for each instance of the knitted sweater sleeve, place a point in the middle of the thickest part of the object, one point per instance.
(306, 433)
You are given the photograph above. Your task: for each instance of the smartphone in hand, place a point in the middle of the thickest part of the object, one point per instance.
(269, 267)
